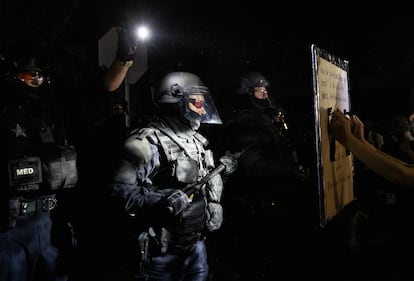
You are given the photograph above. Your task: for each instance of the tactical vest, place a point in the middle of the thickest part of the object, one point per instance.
(31, 158)
(183, 161)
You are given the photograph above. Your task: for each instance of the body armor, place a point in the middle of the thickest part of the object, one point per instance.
(177, 159)
(34, 155)
(167, 184)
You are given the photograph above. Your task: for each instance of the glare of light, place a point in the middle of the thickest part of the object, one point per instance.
(143, 33)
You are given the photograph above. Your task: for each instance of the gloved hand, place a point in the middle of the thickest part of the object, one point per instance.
(175, 202)
(127, 45)
(230, 162)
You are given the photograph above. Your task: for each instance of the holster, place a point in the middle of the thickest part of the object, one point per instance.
(143, 244)
(159, 241)
(151, 244)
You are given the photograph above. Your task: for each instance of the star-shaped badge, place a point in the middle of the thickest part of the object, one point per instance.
(19, 131)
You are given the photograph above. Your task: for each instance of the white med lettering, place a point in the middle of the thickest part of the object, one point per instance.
(24, 171)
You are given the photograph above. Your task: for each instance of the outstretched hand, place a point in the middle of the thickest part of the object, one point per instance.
(357, 127)
(343, 126)
(340, 127)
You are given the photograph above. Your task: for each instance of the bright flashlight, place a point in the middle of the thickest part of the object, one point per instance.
(143, 33)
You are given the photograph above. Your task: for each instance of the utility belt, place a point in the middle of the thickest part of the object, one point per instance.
(20, 206)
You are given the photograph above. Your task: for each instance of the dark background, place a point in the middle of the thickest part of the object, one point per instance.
(217, 40)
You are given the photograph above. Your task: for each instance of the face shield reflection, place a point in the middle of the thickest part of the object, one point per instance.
(32, 79)
(203, 105)
(196, 104)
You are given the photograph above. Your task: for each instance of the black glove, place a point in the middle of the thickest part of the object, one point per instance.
(127, 45)
(175, 202)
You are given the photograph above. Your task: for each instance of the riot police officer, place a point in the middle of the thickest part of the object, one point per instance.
(260, 197)
(37, 167)
(154, 183)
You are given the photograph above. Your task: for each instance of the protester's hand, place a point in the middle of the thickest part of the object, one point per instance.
(127, 45)
(357, 127)
(340, 127)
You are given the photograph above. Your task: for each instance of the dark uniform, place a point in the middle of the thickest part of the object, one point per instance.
(263, 197)
(37, 166)
(159, 163)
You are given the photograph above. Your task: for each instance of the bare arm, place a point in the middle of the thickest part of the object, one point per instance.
(348, 133)
(115, 75)
(125, 55)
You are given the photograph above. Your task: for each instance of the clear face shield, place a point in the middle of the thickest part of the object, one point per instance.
(261, 97)
(263, 100)
(199, 108)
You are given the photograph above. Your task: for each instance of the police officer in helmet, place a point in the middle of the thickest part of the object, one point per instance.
(152, 185)
(260, 195)
(36, 166)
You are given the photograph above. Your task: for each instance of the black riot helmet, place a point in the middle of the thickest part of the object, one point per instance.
(245, 96)
(252, 93)
(30, 79)
(252, 79)
(23, 70)
(30, 73)
(185, 95)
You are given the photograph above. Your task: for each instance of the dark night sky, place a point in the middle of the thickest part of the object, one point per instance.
(217, 39)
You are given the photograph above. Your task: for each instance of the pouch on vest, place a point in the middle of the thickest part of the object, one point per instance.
(186, 170)
(59, 167)
(47, 167)
(25, 173)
